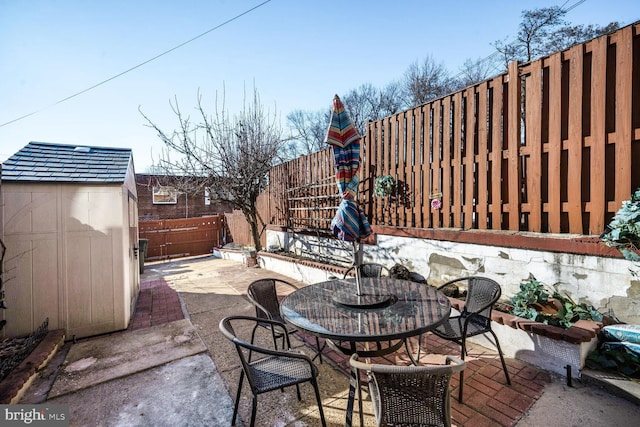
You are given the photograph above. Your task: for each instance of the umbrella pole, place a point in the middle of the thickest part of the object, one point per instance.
(356, 264)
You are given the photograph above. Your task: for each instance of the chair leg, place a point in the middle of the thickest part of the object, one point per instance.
(317, 391)
(504, 365)
(254, 409)
(463, 353)
(235, 408)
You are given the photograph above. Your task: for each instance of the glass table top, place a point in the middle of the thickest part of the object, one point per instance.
(387, 309)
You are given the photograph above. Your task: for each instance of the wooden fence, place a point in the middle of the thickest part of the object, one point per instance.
(547, 147)
(169, 238)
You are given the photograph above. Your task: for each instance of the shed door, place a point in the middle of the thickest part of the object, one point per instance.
(135, 256)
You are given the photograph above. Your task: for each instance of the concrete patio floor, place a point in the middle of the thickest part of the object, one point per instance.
(195, 383)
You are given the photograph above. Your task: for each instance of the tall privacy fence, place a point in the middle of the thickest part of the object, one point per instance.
(549, 146)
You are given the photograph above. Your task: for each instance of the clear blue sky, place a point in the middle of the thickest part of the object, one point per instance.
(299, 53)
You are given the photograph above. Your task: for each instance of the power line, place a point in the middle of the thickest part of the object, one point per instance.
(139, 65)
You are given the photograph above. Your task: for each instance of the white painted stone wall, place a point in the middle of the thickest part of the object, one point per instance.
(605, 283)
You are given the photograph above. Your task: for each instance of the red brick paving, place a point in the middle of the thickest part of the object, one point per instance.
(488, 400)
(157, 303)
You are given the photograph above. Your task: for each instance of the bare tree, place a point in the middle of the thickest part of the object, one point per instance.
(390, 100)
(231, 155)
(473, 72)
(309, 129)
(567, 36)
(363, 104)
(544, 31)
(424, 82)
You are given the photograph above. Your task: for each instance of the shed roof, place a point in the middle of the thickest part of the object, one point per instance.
(48, 162)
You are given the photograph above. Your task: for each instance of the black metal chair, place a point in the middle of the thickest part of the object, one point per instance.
(263, 293)
(410, 395)
(368, 269)
(475, 318)
(268, 370)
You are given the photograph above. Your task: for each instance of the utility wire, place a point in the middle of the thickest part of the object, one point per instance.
(139, 65)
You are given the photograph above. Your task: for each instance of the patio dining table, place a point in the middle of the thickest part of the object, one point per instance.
(387, 310)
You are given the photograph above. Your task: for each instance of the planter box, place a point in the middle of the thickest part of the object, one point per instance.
(548, 347)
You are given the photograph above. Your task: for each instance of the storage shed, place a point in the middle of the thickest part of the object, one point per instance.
(70, 222)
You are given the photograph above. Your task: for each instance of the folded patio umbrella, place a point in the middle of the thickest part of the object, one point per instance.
(349, 223)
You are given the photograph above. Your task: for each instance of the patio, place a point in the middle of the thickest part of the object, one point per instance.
(213, 288)
(210, 289)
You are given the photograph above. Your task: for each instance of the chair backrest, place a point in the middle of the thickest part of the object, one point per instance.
(247, 351)
(264, 295)
(369, 269)
(411, 395)
(482, 294)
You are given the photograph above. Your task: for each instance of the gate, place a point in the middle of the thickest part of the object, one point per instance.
(172, 238)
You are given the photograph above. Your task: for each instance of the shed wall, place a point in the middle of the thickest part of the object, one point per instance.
(67, 251)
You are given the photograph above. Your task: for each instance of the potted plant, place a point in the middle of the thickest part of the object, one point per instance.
(384, 186)
(535, 303)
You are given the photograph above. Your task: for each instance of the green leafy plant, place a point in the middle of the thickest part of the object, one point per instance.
(384, 186)
(535, 303)
(531, 292)
(623, 232)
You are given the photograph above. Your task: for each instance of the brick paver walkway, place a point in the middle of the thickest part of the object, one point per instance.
(488, 400)
(157, 304)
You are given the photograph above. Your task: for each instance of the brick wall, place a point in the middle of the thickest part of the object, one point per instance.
(186, 206)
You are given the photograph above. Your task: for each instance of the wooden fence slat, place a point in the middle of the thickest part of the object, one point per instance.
(624, 97)
(598, 140)
(513, 134)
(423, 204)
(574, 178)
(437, 184)
(401, 162)
(482, 160)
(554, 173)
(456, 161)
(533, 141)
(447, 188)
(393, 158)
(497, 131)
(469, 201)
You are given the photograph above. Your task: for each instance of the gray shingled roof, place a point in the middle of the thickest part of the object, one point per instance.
(47, 162)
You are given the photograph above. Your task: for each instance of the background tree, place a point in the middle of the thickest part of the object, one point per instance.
(544, 31)
(308, 130)
(424, 81)
(229, 155)
(473, 72)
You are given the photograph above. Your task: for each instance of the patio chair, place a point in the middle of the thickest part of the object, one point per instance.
(475, 318)
(263, 294)
(410, 395)
(268, 370)
(369, 269)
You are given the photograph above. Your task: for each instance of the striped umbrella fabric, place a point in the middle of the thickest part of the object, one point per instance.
(349, 222)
